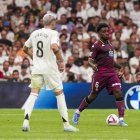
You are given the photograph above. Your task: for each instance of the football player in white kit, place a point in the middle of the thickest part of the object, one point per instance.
(47, 65)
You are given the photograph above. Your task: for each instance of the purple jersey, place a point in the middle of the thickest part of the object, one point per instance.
(103, 55)
(106, 75)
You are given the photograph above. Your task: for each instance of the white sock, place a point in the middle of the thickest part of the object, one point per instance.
(62, 107)
(121, 118)
(77, 111)
(30, 104)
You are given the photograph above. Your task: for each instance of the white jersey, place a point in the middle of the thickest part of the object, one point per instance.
(44, 60)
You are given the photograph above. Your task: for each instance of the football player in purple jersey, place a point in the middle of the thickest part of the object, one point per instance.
(102, 61)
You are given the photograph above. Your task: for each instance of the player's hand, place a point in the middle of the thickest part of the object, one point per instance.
(95, 67)
(61, 66)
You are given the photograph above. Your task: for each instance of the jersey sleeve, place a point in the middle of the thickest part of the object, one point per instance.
(93, 52)
(55, 39)
(28, 43)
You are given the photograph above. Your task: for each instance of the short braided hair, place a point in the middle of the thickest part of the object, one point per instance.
(100, 26)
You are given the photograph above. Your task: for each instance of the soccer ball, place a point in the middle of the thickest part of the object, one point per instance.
(112, 120)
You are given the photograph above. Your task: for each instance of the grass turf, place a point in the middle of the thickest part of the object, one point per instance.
(47, 125)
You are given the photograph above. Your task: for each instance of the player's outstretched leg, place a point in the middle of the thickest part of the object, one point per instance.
(61, 104)
(84, 104)
(28, 110)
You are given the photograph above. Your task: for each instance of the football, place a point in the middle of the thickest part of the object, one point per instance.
(112, 120)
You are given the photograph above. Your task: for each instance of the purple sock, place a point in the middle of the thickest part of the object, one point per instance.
(83, 105)
(121, 109)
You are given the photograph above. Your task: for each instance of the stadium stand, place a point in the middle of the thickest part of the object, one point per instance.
(77, 21)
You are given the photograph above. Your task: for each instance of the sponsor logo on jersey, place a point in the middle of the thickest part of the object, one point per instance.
(132, 98)
(111, 53)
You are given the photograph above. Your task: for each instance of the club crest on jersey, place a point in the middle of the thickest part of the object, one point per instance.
(111, 53)
(132, 98)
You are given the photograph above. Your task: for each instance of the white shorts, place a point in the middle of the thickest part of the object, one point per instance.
(52, 82)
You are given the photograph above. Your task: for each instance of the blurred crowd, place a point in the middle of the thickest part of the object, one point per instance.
(76, 23)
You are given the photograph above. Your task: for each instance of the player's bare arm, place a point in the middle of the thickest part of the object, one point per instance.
(28, 51)
(60, 60)
(92, 64)
(119, 67)
(116, 65)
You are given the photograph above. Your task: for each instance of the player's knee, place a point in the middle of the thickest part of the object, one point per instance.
(36, 84)
(36, 87)
(118, 94)
(58, 91)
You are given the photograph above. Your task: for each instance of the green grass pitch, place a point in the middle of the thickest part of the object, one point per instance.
(47, 125)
